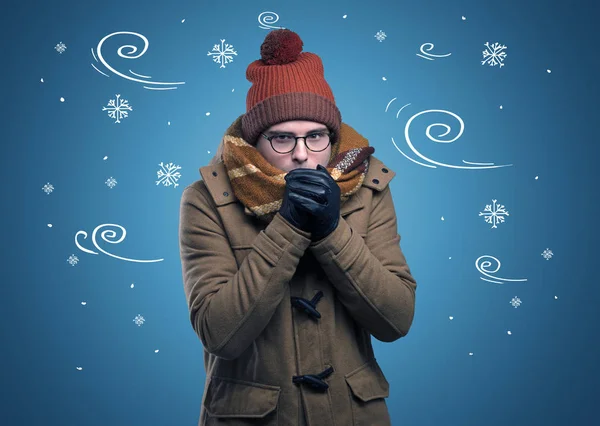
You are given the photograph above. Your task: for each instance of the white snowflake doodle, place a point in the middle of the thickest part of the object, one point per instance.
(222, 54)
(139, 320)
(73, 260)
(515, 301)
(494, 213)
(111, 182)
(168, 174)
(494, 54)
(48, 188)
(380, 35)
(117, 108)
(547, 254)
(60, 47)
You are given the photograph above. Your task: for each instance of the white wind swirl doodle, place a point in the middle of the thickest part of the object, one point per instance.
(98, 57)
(472, 165)
(427, 55)
(107, 235)
(483, 265)
(267, 19)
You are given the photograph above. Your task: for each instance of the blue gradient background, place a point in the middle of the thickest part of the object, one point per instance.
(544, 373)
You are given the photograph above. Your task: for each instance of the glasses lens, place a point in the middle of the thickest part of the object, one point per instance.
(317, 141)
(283, 143)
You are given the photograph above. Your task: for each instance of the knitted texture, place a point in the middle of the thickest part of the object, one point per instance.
(287, 84)
(260, 186)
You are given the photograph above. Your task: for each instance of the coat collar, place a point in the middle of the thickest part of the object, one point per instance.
(218, 184)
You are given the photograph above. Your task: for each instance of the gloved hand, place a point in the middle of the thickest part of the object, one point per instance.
(290, 206)
(318, 195)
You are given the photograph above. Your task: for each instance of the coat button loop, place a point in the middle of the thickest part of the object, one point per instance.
(214, 173)
(376, 181)
(384, 170)
(314, 380)
(308, 306)
(226, 194)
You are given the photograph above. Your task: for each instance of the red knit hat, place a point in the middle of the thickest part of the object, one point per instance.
(287, 84)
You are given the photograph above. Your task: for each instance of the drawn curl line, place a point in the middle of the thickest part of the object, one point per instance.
(476, 165)
(127, 55)
(426, 55)
(106, 234)
(267, 18)
(482, 268)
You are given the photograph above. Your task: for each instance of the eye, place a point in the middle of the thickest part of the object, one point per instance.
(282, 138)
(315, 136)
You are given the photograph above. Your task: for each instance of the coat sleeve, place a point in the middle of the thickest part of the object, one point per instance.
(228, 307)
(371, 276)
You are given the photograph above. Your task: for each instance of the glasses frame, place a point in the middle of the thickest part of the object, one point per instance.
(270, 139)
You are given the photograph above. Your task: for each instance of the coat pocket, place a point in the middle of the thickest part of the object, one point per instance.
(234, 402)
(368, 390)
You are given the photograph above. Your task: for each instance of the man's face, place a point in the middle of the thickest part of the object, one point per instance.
(300, 157)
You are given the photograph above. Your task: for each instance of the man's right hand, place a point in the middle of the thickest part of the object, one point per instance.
(290, 206)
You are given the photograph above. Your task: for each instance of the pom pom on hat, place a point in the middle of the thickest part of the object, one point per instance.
(281, 47)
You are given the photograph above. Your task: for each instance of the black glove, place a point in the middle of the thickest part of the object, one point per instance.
(290, 206)
(317, 194)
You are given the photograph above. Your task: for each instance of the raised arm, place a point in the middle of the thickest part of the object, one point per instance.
(228, 307)
(371, 276)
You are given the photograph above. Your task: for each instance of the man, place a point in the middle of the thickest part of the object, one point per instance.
(291, 257)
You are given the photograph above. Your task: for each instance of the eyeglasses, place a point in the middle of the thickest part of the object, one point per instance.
(284, 143)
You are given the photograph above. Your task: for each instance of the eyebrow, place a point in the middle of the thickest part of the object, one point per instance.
(280, 132)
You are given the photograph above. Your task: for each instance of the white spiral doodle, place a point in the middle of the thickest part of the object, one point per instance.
(266, 19)
(107, 235)
(482, 268)
(430, 56)
(98, 57)
(476, 165)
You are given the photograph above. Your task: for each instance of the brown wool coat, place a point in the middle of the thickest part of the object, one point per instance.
(239, 276)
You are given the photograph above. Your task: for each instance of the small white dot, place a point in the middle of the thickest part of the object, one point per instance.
(451, 318)
(344, 16)
(232, 90)
(470, 353)
(548, 71)
(49, 225)
(132, 285)
(168, 123)
(79, 368)
(207, 114)
(508, 332)
(450, 257)
(156, 351)
(442, 217)
(555, 297)
(84, 303)
(182, 21)
(208, 152)
(500, 106)
(42, 80)
(464, 19)
(384, 79)
(105, 157)
(62, 99)
(536, 178)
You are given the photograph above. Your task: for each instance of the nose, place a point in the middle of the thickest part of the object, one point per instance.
(301, 151)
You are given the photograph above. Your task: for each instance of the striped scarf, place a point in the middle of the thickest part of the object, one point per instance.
(260, 186)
